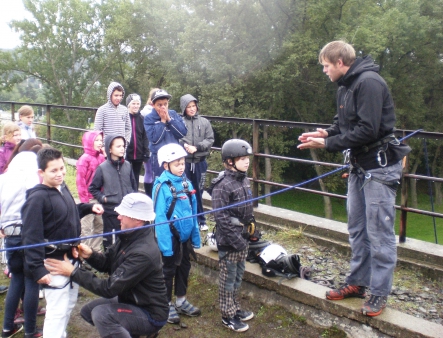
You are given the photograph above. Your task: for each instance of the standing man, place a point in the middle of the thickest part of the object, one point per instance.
(197, 143)
(163, 126)
(113, 117)
(364, 127)
(134, 295)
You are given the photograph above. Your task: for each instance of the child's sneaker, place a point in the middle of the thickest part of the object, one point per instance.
(346, 291)
(173, 315)
(245, 315)
(37, 334)
(11, 333)
(18, 317)
(374, 306)
(188, 309)
(3, 288)
(235, 324)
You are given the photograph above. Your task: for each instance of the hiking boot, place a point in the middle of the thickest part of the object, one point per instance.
(235, 324)
(188, 309)
(173, 315)
(346, 291)
(37, 334)
(374, 306)
(203, 227)
(11, 333)
(244, 315)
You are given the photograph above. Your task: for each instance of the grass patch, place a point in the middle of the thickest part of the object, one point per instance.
(418, 226)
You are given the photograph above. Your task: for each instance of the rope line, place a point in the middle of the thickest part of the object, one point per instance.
(196, 215)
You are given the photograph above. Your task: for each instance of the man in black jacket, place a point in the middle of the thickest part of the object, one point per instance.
(134, 295)
(363, 127)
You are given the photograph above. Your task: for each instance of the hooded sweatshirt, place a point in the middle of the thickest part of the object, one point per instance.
(5, 154)
(113, 179)
(49, 214)
(113, 119)
(21, 176)
(200, 133)
(365, 114)
(87, 165)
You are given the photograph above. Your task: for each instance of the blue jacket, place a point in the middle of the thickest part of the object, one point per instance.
(160, 133)
(187, 228)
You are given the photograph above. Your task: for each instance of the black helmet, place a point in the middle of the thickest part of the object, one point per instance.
(235, 148)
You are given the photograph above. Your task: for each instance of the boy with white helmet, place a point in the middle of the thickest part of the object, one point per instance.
(174, 198)
(232, 232)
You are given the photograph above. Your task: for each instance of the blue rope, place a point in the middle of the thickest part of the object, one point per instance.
(196, 215)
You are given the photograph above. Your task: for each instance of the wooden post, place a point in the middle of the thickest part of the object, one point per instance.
(48, 123)
(404, 201)
(255, 163)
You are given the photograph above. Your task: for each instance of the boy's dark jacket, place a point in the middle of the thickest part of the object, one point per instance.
(234, 188)
(52, 215)
(138, 148)
(112, 179)
(135, 273)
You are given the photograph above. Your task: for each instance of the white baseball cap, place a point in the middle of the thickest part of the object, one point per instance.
(137, 206)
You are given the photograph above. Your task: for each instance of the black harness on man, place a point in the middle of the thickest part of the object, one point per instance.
(381, 159)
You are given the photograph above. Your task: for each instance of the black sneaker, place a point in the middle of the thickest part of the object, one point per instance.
(11, 333)
(245, 315)
(37, 334)
(3, 288)
(374, 306)
(235, 324)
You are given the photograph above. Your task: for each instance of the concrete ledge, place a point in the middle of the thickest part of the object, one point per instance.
(390, 322)
(423, 256)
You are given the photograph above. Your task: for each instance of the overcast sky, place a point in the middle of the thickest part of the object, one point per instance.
(10, 10)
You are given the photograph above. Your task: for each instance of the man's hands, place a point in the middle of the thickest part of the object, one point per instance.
(315, 139)
(82, 251)
(56, 267)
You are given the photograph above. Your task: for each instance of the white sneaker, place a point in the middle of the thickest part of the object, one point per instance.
(40, 294)
(203, 227)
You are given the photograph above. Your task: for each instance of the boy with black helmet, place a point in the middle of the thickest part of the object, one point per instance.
(232, 235)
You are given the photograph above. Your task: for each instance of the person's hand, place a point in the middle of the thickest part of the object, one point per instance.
(45, 279)
(98, 209)
(82, 250)
(313, 143)
(190, 149)
(164, 115)
(320, 133)
(56, 267)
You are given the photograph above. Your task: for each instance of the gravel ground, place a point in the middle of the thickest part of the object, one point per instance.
(412, 293)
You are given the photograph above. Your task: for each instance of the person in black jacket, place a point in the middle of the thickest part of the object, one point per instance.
(50, 214)
(137, 151)
(364, 127)
(134, 299)
(112, 180)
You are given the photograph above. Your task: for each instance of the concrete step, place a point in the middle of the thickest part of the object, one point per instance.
(308, 299)
(425, 257)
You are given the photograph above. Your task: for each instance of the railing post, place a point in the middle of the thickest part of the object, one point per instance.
(13, 112)
(404, 201)
(255, 164)
(48, 123)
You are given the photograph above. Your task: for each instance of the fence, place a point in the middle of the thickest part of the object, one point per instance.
(256, 125)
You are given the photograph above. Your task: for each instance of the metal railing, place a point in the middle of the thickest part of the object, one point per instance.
(256, 124)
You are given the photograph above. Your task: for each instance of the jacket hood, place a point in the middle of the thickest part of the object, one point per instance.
(184, 101)
(88, 142)
(39, 187)
(111, 88)
(9, 145)
(23, 163)
(360, 65)
(108, 141)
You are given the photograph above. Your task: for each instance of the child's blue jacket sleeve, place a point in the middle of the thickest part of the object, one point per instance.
(164, 235)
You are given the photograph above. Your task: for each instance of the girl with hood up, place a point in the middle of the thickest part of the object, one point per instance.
(87, 164)
(112, 181)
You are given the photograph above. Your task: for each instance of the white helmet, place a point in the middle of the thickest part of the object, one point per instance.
(170, 152)
(210, 239)
(272, 252)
